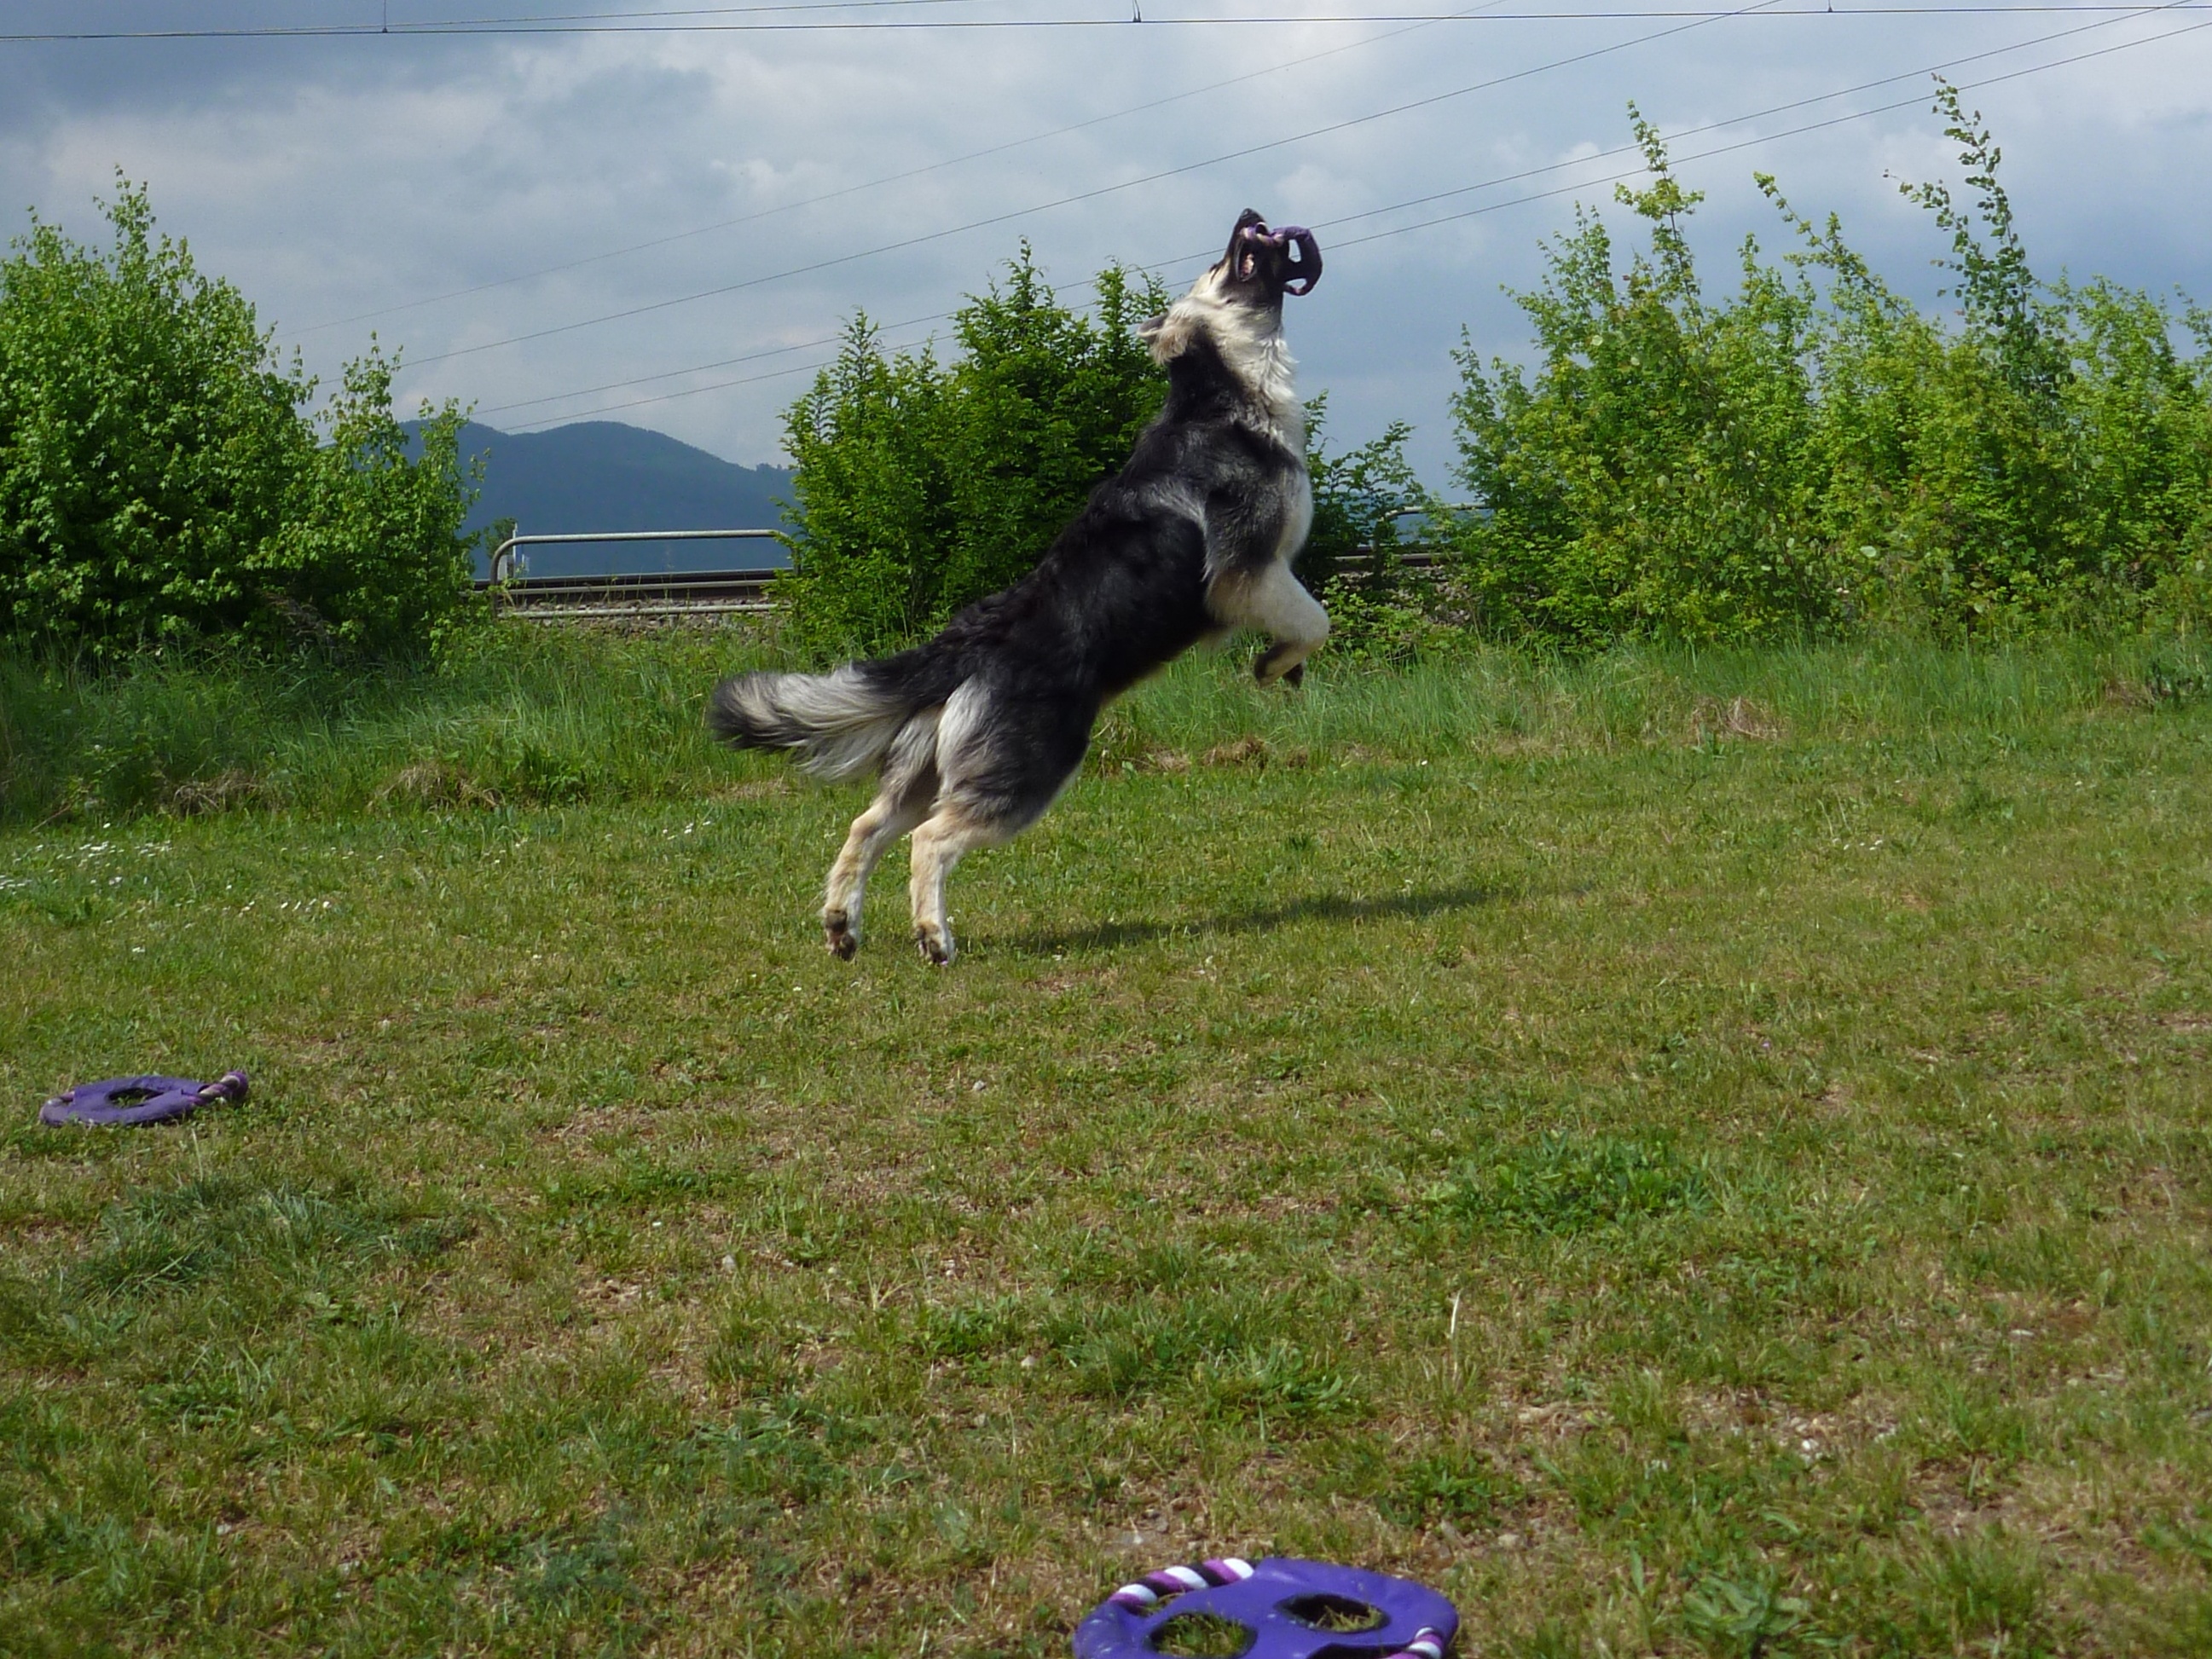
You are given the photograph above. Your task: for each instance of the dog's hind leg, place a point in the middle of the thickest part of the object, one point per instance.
(944, 838)
(909, 791)
(1003, 756)
(889, 816)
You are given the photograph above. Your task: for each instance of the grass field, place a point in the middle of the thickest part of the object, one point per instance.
(1684, 1156)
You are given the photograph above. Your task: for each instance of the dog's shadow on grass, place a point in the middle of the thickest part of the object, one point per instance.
(1326, 906)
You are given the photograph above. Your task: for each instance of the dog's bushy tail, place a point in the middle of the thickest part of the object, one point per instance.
(838, 724)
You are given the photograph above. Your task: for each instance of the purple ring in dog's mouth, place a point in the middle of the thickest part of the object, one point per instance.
(1304, 269)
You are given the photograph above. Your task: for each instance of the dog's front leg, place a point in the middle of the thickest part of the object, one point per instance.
(1278, 604)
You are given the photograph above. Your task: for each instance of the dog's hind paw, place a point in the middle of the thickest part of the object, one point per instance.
(838, 933)
(936, 946)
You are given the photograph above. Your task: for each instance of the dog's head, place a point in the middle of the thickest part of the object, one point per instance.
(1241, 294)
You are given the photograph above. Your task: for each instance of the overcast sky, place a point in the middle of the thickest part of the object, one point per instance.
(360, 183)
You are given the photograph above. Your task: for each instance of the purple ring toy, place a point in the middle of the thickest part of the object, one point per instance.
(1288, 1606)
(1307, 270)
(122, 1101)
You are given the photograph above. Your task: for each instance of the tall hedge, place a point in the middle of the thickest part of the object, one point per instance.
(162, 480)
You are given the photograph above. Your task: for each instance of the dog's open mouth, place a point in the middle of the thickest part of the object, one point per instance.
(1286, 260)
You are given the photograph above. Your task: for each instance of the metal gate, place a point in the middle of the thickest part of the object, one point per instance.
(641, 594)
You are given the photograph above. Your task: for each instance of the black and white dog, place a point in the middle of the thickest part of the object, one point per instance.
(975, 732)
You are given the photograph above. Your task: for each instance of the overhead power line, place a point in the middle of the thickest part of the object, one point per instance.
(1739, 144)
(1537, 196)
(926, 237)
(812, 366)
(1419, 201)
(1463, 190)
(1326, 129)
(760, 356)
(631, 23)
(879, 183)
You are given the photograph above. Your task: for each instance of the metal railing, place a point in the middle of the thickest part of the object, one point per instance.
(638, 593)
(645, 594)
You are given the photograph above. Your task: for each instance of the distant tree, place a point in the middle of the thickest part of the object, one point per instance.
(161, 481)
(922, 486)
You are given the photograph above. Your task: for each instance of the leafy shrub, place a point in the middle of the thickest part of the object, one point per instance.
(1820, 457)
(1650, 477)
(370, 554)
(159, 483)
(1361, 501)
(921, 487)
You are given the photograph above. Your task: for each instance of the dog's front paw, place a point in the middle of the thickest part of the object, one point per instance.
(839, 935)
(1267, 668)
(935, 944)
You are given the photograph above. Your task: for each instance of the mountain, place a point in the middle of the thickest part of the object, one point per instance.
(604, 474)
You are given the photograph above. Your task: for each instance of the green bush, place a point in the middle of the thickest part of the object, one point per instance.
(1815, 455)
(1650, 477)
(160, 482)
(370, 556)
(1362, 501)
(921, 487)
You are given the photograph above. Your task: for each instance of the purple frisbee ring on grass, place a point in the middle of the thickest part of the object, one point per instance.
(1291, 1609)
(120, 1102)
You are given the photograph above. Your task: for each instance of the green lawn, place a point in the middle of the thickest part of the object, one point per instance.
(1676, 1173)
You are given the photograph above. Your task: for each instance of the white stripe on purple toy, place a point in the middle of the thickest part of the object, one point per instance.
(1155, 1586)
(1426, 1645)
